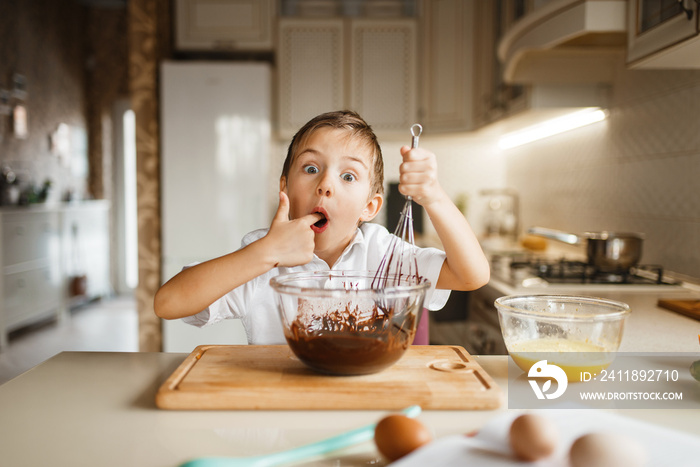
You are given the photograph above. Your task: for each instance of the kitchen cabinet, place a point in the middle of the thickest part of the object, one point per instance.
(447, 65)
(493, 97)
(311, 70)
(364, 64)
(231, 25)
(663, 34)
(483, 330)
(510, 92)
(565, 42)
(30, 256)
(38, 246)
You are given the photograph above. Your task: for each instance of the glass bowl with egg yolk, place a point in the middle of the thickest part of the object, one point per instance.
(578, 334)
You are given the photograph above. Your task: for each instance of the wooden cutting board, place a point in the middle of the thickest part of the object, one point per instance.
(689, 308)
(250, 377)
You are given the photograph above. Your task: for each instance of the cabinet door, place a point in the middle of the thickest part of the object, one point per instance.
(656, 25)
(383, 73)
(29, 294)
(447, 65)
(311, 70)
(30, 237)
(224, 24)
(493, 98)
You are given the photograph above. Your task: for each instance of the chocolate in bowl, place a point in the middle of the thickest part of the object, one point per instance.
(336, 323)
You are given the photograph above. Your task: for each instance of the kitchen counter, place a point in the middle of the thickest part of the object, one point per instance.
(97, 408)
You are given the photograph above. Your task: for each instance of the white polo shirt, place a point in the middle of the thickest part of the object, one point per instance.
(254, 302)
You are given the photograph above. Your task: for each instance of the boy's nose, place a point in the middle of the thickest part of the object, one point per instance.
(325, 187)
(325, 190)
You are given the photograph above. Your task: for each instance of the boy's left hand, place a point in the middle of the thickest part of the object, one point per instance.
(418, 176)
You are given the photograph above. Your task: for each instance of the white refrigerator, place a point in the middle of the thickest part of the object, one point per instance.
(215, 128)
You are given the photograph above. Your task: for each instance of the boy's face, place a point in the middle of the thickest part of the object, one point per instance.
(331, 173)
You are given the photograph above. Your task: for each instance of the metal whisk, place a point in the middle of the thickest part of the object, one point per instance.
(399, 263)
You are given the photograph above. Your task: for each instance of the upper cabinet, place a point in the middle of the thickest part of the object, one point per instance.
(364, 64)
(382, 67)
(227, 25)
(447, 65)
(663, 34)
(539, 60)
(565, 41)
(493, 97)
(311, 70)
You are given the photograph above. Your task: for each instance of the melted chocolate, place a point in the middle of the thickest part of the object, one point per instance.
(346, 343)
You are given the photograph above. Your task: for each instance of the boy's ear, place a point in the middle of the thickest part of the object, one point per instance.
(372, 209)
(283, 183)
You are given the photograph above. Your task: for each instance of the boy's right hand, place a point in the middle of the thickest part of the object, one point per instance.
(291, 242)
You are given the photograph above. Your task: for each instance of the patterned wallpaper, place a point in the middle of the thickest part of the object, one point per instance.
(148, 26)
(74, 70)
(42, 40)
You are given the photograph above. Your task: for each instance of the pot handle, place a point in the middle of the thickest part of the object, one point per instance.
(565, 237)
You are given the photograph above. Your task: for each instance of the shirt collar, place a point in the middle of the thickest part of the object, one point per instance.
(358, 239)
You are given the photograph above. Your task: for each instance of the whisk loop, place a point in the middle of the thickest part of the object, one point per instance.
(399, 264)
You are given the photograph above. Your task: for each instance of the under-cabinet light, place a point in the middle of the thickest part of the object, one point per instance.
(552, 127)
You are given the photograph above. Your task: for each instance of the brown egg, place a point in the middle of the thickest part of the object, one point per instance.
(533, 437)
(397, 435)
(607, 450)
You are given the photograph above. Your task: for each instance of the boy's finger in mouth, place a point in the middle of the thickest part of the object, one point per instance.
(322, 223)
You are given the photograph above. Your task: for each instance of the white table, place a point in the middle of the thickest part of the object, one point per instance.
(97, 409)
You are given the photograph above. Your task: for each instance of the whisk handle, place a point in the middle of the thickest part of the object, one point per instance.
(416, 130)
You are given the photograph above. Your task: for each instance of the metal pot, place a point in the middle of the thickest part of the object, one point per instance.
(612, 252)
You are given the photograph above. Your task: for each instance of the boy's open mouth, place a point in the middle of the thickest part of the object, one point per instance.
(321, 224)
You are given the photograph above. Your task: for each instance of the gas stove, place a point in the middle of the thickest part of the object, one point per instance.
(536, 271)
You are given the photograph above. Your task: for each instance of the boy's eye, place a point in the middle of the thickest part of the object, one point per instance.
(310, 169)
(348, 177)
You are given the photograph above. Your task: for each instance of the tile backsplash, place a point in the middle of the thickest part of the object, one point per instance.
(637, 171)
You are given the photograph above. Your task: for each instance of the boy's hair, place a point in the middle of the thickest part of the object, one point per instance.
(356, 126)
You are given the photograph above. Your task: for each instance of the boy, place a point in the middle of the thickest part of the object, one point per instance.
(331, 186)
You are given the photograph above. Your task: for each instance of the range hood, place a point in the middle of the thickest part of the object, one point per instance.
(566, 42)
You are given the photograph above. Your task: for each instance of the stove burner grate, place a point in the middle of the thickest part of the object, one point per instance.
(578, 272)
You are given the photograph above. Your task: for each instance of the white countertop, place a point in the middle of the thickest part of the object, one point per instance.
(97, 409)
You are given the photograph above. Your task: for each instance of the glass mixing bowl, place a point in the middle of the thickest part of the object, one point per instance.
(578, 334)
(336, 323)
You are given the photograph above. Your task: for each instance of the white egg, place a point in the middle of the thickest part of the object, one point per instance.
(607, 450)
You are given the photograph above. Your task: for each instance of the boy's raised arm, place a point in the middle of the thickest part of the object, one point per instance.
(288, 243)
(466, 266)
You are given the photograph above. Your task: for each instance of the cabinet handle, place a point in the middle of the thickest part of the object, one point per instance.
(688, 11)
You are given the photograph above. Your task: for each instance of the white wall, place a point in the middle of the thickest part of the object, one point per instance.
(637, 171)
(466, 165)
